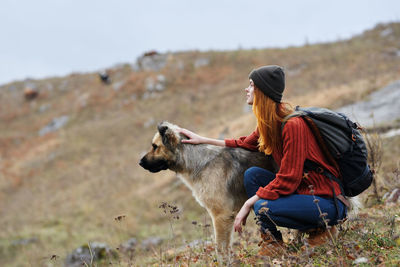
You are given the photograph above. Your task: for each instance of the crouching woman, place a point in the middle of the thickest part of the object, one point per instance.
(291, 197)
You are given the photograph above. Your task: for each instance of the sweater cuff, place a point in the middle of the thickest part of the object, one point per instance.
(266, 194)
(230, 143)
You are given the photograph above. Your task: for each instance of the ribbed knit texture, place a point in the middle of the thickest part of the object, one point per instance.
(299, 144)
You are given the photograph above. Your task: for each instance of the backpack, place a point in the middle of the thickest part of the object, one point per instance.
(343, 145)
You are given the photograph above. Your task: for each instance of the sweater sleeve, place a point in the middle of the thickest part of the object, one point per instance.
(290, 173)
(248, 142)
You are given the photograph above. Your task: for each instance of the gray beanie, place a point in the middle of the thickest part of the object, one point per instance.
(270, 80)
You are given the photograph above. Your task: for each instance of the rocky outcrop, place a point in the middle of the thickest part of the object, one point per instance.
(87, 254)
(151, 242)
(381, 106)
(157, 83)
(128, 246)
(151, 62)
(54, 125)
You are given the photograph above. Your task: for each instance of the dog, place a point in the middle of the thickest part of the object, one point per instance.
(213, 173)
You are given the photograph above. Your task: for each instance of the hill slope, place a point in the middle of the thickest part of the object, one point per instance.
(66, 187)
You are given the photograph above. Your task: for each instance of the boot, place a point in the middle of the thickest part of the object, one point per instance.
(270, 246)
(320, 236)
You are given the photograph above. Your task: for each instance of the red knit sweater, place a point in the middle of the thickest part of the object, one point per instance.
(299, 144)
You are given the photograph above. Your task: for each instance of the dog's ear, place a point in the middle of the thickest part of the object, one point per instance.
(162, 129)
(168, 137)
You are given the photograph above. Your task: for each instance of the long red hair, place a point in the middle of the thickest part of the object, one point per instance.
(270, 115)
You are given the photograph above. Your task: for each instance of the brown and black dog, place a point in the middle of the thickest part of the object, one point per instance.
(214, 174)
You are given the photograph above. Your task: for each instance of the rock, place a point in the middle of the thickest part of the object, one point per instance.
(151, 242)
(152, 62)
(385, 196)
(198, 243)
(54, 125)
(361, 260)
(161, 81)
(391, 133)
(82, 255)
(147, 95)
(386, 32)
(201, 62)
(118, 85)
(393, 197)
(129, 245)
(149, 83)
(44, 108)
(381, 106)
(157, 84)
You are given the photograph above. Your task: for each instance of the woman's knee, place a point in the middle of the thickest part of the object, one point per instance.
(257, 175)
(250, 176)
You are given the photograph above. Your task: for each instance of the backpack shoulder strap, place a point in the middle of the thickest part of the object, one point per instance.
(320, 141)
(297, 113)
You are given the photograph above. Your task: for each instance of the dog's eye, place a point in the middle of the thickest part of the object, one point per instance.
(154, 146)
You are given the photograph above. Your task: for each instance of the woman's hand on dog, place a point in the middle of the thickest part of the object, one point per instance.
(193, 138)
(196, 139)
(241, 217)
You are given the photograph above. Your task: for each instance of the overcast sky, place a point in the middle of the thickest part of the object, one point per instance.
(42, 38)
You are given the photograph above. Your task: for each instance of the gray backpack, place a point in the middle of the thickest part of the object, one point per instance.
(343, 145)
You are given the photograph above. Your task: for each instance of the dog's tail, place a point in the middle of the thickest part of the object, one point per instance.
(355, 206)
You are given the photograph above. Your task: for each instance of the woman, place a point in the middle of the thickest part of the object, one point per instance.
(289, 198)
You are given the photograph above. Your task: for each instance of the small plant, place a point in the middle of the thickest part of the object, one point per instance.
(172, 213)
(323, 216)
(375, 153)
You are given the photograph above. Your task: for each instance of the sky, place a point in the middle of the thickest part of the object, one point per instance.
(45, 38)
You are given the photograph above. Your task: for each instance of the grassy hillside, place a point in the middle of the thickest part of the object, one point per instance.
(66, 188)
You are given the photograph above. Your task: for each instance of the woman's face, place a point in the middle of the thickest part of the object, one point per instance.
(250, 92)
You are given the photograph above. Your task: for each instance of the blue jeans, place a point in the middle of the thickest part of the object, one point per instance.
(293, 211)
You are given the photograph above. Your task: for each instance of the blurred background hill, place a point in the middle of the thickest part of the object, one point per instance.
(70, 146)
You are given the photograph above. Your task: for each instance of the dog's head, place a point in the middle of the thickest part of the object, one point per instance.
(163, 154)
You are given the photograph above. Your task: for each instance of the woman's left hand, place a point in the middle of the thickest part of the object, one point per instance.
(241, 217)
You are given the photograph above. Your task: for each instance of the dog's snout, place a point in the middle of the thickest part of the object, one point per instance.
(142, 161)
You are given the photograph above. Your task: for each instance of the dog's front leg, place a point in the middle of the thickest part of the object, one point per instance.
(223, 225)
